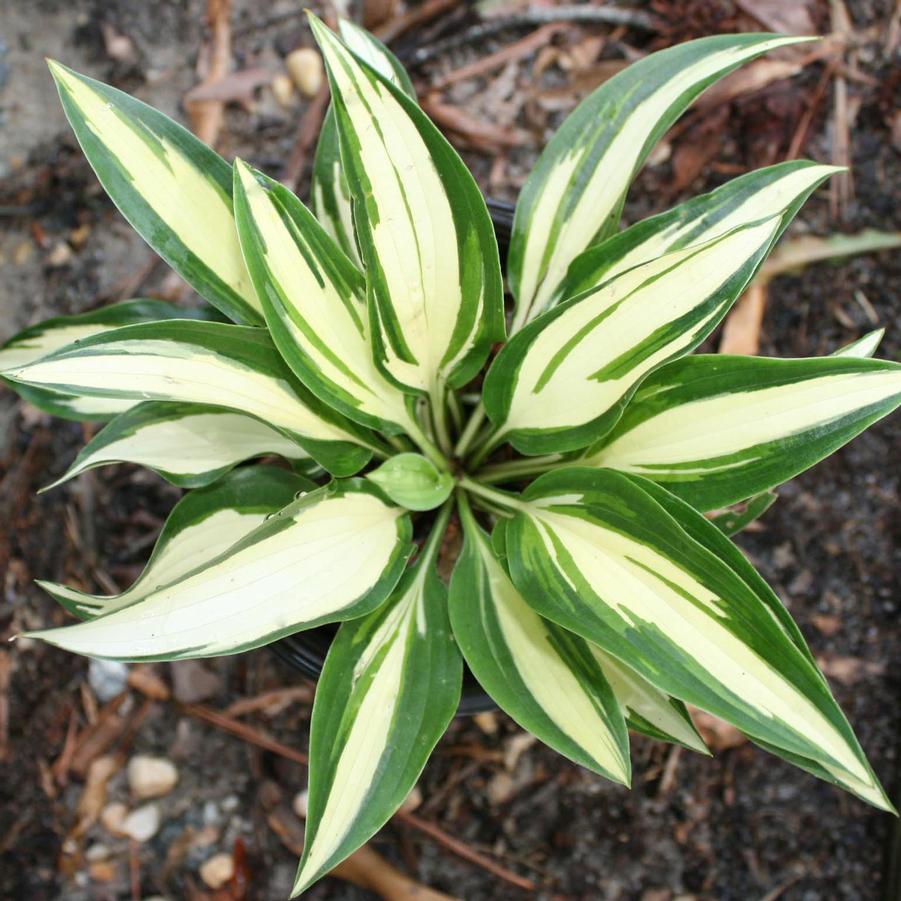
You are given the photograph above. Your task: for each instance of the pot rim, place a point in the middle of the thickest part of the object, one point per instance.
(305, 652)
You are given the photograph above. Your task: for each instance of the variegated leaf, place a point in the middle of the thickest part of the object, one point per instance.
(717, 429)
(69, 406)
(593, 551)
(775, 191)
(696, 526)
(542, 676)
(48, 336)
(574, 195)
(374, 53)
(422, 227)
(736, 518)
(173, 189)
(202, 525)
(389, 687)
(564, 380)
(331, 555)
(330, 193)
(647, 709)
(187, 444)
(230, 366)
(865, 346)
(314, 299)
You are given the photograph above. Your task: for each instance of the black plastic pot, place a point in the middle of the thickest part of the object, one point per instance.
(502, 218)
(306, 651)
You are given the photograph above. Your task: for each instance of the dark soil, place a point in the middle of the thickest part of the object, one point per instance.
(742, 825)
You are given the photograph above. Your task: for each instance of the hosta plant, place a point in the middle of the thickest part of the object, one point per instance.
(365, 343)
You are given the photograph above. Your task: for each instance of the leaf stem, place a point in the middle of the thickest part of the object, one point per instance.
(379, 451)
(465, 509)
(472, 426)
(456, 411)
(490, 442)
(414, 430)
(439, 417)
(436, 535)
(491, 509)
(501, 498)
(398, 442)
(520, 469)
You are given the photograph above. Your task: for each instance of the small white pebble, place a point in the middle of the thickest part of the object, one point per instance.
(211, 814)
(217, 870)
(486, 721)
(142, 824)
(97, 852)
(301, 799)
(107, 678)
(151, 777)
(113, 817)
(283, 90)
(60, 255)
(305, 67)
(500, 789)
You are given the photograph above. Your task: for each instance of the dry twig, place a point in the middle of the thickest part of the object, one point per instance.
(97, 739)
(93, 797)
(668, 779)
(243, 731)
(364, 868)
(741, 331)
(797, 253)
(63, 763)
(482, 66)
(5, 672)
(270, 701)
(464, 851)
(254, 737)
(134, 870)
(799, 138)
(776, 15)
(131, 283)
(783, 887)
(841, 187)
(207, 115)
(371, 871)
(419, 15)
(307, 129)
(585, 15)
(230, 87)
(480, 134)
(305, 137)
